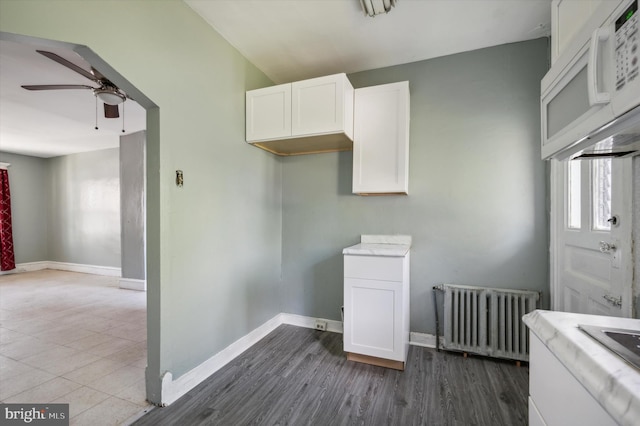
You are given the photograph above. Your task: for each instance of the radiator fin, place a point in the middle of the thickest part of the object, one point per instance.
(487, 321)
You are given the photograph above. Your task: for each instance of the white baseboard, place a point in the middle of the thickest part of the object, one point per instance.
(309, 322)
(109, 271)
(423, 339)
(132, 284)
(174, 389)
(26, 267)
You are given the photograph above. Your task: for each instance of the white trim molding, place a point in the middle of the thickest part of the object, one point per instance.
(309, 322)
(26, 267)
(424, 340)
(174, 389)
(109, 271)
(133, 284)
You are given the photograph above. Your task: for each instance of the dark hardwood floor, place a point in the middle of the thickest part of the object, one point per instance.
(300, 376)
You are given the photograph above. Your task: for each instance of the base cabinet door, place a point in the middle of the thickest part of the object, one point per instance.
(376, 309)
(535, 418)
(372, 318)
(559, 398)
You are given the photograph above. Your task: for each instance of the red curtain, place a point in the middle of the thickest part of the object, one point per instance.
(7, 260)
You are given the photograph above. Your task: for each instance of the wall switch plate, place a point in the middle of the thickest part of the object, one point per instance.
(321, 325)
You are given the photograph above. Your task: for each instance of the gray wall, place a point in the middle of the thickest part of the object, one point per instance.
(84, 212)
(213, 246)
(28, 177)
(132, 212)
(67, 208)
(476, 208)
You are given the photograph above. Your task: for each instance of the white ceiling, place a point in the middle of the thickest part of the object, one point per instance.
(292, 40)
(54, 122)
(288, 40)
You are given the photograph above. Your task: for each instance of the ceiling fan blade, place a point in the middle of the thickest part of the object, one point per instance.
(111, 111)
(70, 65)
(56, 87)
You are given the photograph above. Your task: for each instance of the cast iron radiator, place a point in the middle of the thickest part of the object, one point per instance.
(487, 321)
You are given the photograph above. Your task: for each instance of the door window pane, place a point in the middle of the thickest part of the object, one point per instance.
(573, 211)
(601, 175)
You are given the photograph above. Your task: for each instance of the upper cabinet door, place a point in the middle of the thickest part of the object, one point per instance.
(567, 18)
(268, 113)
(381, 140)
(322, 105)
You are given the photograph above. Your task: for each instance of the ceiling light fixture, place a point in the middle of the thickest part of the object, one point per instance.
(109, 96)
(376, 7)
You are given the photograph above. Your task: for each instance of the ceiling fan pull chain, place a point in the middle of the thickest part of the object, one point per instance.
(96, 112)
(123, 117)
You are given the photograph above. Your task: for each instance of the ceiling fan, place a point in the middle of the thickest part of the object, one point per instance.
(108, 92)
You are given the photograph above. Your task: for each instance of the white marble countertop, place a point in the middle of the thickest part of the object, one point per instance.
(607, 377)
(380, 245)
(364, 249)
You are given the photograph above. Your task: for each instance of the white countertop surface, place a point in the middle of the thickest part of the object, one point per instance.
(380, 245)
(607, 377)
(391, 250)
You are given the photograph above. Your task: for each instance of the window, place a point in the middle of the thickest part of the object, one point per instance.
(601, 181)
(574, 210)
(598, 202)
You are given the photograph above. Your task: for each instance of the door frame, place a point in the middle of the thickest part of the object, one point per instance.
(154, 215)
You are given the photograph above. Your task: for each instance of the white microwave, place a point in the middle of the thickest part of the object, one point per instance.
(590, 98)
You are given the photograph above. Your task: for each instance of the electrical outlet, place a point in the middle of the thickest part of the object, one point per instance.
(321, 325)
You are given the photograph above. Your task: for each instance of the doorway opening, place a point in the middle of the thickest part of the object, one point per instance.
(149, 197)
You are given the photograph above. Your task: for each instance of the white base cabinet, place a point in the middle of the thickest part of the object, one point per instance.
(556, 397)
(303, 117)
(376, 309)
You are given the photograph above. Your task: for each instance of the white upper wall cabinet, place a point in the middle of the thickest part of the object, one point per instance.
(304, 117)
(269, 113)
(322, 105)
(567, 17)
(381, 140)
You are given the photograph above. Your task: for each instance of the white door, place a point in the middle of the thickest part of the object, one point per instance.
(591, 237)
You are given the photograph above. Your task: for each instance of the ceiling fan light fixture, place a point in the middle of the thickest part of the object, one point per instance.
(377, 7)
(109, 96)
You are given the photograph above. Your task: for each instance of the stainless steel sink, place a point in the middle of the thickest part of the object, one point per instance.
(624, 343)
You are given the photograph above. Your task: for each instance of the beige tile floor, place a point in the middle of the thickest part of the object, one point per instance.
(74, 338)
